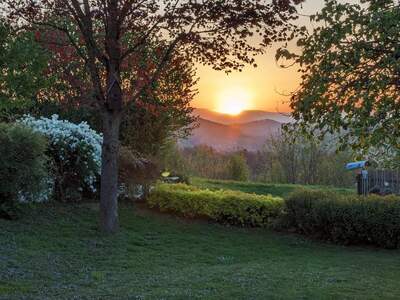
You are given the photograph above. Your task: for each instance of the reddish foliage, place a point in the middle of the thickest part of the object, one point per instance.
(109, 38)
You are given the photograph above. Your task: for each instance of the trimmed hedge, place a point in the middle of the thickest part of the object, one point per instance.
(228, 207)
(345, 219)
(340, 218)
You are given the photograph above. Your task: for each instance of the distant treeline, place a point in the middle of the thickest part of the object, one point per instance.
(283, 159)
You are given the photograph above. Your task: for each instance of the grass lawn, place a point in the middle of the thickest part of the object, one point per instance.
(55, 252)
(280, 190)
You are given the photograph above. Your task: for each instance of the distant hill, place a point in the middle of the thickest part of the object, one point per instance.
(229, 137)
(244, 117)
(262, 128)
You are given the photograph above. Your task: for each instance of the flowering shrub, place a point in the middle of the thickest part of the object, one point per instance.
(75, 150)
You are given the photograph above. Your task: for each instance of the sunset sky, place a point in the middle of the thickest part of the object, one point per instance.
(254, 88)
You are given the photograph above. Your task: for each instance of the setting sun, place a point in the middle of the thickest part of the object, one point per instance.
(233, 101)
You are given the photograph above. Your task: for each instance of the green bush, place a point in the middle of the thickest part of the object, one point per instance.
(23, 171)
(346, 219)
(228, 207)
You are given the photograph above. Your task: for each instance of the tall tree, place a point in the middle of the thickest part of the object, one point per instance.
(22, 63)
(215, 33)
(350, 67)
(160, 113)
(238, 168)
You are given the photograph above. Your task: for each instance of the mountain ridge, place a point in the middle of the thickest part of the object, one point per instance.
(250, 135)
(244, 117)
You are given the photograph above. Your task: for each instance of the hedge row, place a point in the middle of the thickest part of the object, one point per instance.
(340, 218)
(345, 219)
(229, 207)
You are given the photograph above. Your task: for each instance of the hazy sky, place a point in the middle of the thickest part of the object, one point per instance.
(259, 88)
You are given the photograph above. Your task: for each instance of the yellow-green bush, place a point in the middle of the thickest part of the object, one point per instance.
(231, 207)
(346, 219)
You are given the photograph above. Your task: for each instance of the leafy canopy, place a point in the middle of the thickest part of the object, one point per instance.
(22, 66)
(107, 35)
(350, 74)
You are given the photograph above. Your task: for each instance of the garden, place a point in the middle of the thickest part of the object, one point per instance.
(98, 200)
(202, 239)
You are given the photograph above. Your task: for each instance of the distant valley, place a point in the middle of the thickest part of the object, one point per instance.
(249, 130)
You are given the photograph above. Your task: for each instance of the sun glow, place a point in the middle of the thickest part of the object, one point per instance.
(233, 101)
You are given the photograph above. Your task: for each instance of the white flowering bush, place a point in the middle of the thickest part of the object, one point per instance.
(75, 150)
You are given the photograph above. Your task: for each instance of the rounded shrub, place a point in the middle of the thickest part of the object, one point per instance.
(23, 168)
(75, 151)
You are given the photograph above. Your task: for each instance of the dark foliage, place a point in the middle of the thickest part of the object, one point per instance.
(22, 167)
(345, 219)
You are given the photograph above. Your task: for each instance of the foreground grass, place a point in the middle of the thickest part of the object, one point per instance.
(280, 190)
(55, 252)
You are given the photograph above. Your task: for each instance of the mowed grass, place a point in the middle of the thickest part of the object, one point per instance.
(280, 190)
(55, 252)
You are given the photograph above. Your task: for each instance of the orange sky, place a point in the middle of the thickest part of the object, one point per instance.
(262, 87)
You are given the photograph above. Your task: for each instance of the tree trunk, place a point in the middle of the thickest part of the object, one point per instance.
(109, 173)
